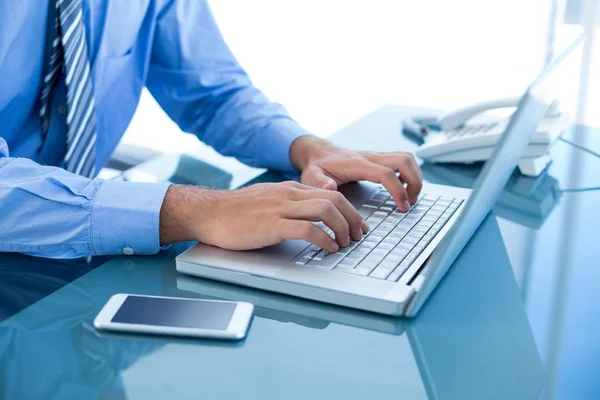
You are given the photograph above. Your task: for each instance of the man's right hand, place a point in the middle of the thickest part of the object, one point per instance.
(258, 216)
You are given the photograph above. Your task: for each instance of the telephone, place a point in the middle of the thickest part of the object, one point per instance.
(468, 135)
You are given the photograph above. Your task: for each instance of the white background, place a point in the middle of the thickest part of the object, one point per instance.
(332, 61)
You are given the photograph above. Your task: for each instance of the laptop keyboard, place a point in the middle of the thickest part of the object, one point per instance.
(394, 241)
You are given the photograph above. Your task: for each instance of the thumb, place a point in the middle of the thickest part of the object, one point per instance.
(316, 177)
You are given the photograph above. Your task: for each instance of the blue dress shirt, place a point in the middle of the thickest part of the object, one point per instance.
(175, 49)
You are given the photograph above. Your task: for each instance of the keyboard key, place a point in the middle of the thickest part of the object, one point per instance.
(380, 273)
(349, 262)
(353, 244)
(373, 239)
(403, 246)
(344, 250)
(399, 271)
(394, 276)
(385, 246)
(376, 237)
(432, 211)
(360, 271)
(314, 252)
(395, 258)
(402, 249)
(378, 253)
(390, 240)
(393, 218)
(370, 265)
(395, 235)
(322, 254)
(343, 268)
(386, 209)
(368, 245)
(380, 232)
(331, 260)
(401, 230)
(365, 211)
(362, 250)
(389, 265)
(379, 214)
(303, 260)
(313, 263)
(420, 229)
(406, 224)
(421, 209)
(354, 255)
(387, 226)
(403, 266)
(410, 240)
(373, 221)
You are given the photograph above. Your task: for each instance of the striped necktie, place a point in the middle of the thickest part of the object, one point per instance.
(66, 52)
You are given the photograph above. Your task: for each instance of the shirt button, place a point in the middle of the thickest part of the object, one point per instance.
(62, 109)
(128, 251)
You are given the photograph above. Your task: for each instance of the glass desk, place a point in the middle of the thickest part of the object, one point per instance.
(517, 316)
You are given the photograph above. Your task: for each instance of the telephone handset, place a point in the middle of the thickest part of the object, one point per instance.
(467, 135)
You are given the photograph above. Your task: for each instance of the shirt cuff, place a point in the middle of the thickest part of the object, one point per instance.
(125, 218)
(278, 137)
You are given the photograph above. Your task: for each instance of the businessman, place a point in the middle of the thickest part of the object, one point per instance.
(71, 73)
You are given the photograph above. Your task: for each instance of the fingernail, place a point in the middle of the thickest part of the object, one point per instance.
(364, 226)
(335, 247)
(406, 205)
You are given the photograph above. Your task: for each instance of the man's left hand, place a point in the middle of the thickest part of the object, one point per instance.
(326, 166)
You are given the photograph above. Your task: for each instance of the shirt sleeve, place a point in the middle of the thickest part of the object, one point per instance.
(49, 212)
(197, 81)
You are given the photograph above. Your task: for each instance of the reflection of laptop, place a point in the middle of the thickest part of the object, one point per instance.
(525, 200)
(397, 265)
(475, 320)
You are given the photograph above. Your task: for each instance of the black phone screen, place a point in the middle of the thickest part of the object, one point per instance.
(179, 313)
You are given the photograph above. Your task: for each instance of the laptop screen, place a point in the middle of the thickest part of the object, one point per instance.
(497, 170)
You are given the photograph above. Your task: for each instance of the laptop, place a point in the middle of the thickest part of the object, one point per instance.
(400, 261)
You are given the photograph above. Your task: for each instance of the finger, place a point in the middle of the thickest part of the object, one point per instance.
(295, 185)
(387, 177)
(352, 217)
(316, 177)
(305, 230)
(322, 210)
(410, 173)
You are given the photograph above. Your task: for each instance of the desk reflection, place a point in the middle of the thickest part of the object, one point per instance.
(471, 340)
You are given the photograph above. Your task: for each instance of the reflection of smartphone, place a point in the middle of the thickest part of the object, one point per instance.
(175, 316)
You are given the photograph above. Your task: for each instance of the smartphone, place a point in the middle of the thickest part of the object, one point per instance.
(175, 316)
